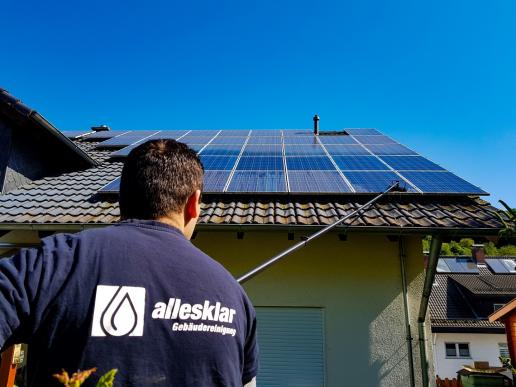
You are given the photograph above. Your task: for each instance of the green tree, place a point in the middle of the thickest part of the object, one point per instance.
(445, 249)
(490, 249)
(508, 218)
(426, 243)
(507, 250)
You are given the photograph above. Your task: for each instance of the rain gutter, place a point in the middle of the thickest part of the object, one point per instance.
(450, 232)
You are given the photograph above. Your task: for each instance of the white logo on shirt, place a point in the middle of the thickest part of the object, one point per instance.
(119, 311)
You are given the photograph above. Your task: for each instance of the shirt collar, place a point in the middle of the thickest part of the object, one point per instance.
(152, 224)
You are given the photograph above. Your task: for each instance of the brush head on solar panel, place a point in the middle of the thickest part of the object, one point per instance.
(397, 187)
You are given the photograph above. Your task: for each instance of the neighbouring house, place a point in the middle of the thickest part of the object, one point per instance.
(465, 292)
(349, 308)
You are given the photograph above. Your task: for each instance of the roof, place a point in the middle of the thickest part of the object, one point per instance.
(463, 302)
(73, 199)
(504, 311)
(502, 284)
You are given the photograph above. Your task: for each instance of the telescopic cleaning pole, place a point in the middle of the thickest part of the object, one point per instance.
(395, 186)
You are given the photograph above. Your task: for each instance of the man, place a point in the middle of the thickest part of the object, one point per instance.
(136, 296)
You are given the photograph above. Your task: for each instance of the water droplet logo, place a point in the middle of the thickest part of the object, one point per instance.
(119, 311)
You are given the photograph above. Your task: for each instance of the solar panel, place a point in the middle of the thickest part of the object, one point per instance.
(218, 162)
(265, 140)
(442, 266)
(337, 140)
(266, 133)
(300, 150)
(234, 133)
(360, 131)
(374, 140)
(457, 265)
(168, 134)
(501, 266)
(373, 181)
(357, 163)
(126, 139)
(191, 139)
(123, 152)
(439, 182)
(317, 181)
(309, 163)
(221, 150)
(105, 134)
(460, 265)
(229, 140)
(306, 140)
(410, 163)
(296, 132)
(215, 181)
(263, 150)
(112, 187)
(258, 181)
(196, 147)
(260, 163)
(203, 132)
(390, 149)
(346, 150)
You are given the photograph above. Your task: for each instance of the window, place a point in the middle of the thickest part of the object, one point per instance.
(504, 349)
(464, 350)
(457, 350)
(497, 306)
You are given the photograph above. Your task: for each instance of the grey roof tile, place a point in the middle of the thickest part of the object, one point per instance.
(458, 301)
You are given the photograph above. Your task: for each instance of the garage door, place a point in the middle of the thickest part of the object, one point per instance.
(291, 347)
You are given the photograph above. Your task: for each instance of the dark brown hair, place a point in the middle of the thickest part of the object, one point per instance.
(158, 178)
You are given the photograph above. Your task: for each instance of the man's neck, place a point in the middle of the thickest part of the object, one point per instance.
(174, 221)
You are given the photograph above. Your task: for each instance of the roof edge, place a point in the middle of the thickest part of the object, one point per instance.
(263, 227)
(467, 330)
(41, 121)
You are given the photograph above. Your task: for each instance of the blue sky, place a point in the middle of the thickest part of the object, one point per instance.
(437, 76)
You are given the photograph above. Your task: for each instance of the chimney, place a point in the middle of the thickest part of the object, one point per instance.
(478, 253)
(101, 128)
(316, 125)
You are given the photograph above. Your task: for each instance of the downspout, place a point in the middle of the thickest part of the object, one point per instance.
(401, 249)
(433, 257)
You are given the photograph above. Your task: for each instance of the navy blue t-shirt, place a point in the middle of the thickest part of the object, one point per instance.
(136, 296)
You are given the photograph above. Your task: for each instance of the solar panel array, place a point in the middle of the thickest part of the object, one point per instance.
(297, 161)
(456, 265)
(502, 266)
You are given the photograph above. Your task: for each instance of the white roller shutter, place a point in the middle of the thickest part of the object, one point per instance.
(291, 347)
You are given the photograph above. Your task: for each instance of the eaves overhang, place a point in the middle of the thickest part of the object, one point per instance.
(271, 227)
(467, 330)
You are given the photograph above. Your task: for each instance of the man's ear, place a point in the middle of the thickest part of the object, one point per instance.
(193, 205)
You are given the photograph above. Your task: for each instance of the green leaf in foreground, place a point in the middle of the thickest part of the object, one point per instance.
(107, 379)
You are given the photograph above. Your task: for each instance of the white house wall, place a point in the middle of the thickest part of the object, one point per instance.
(482, 347)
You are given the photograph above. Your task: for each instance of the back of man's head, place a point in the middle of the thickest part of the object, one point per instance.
(158, 178)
